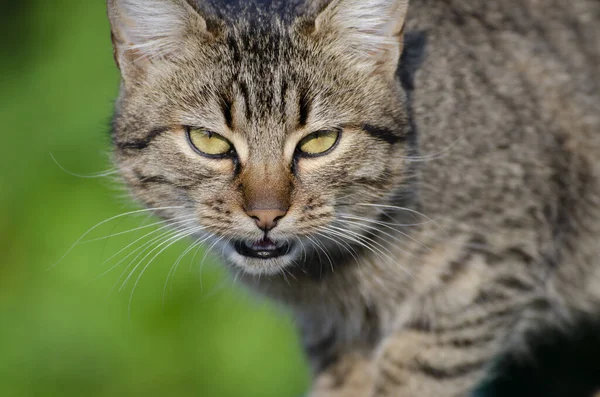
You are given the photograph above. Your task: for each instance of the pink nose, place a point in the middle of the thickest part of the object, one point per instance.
(266, 219)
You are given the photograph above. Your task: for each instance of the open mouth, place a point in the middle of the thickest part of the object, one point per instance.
(263, 249)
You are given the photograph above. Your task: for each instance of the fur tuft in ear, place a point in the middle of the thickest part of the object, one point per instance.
(145, 30)
(368, 30)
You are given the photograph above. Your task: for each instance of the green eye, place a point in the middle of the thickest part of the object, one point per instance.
(209, 143)
(319, 143)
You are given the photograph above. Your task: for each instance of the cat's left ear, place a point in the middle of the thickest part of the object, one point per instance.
(146, 31)
(370, 32)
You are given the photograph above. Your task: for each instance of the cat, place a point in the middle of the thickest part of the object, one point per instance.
(418, 185)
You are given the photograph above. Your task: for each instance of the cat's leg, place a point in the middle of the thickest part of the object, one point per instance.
(349, 376)
(451, 357)
(417, 364)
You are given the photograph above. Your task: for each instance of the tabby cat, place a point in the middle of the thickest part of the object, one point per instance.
(419, 186)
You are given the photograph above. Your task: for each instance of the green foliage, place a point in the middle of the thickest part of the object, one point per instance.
(65, 330)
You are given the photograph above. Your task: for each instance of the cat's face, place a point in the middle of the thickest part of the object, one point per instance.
(274, 139)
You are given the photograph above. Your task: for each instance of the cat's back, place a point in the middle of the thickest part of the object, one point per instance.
(506, 106)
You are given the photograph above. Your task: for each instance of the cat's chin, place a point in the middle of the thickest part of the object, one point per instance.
(261, 260)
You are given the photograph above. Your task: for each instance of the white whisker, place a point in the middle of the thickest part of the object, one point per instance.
(381, 231)
(95, 175)
(171, 241)
(173, 270)
(105, 222)
(185, 222)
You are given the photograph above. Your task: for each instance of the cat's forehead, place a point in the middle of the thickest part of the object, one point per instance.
(232, 10)
(268, 80)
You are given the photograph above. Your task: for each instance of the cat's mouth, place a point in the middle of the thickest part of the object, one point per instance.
(262, 249)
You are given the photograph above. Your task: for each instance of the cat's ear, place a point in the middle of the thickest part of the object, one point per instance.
(144, 31)
(370, 31)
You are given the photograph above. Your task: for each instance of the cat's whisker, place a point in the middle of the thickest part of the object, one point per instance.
(387, 224)
(209, 248)
(135, 230)
(173, 270)
(174, 240)
(362, 238)
(354, 240)
(371, 227)
(168, 226)
(341, 243)
(318, 246)
(148, 246)
(141, 249)
(436, 155)
(383, 236)
(84, 235)
(395, 207)
(370, 244)
(95, 175)
(304, 253)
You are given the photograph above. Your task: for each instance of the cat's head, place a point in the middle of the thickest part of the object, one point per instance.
(275, 138)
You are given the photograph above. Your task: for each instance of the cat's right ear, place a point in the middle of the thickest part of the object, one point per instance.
(368, 32)
(147, 31)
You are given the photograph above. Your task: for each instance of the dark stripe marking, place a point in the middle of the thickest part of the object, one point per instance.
(382, 133)
(456, 371)
(304, 106)
(514, 283)
(246, 95)
(226, 107)
(284, 89)
(391, 376)
(141, 144)
(152, 179)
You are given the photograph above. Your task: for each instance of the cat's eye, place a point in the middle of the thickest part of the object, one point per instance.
(208, 143)
(319, 143)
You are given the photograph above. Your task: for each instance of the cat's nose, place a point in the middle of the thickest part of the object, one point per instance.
(266, 219)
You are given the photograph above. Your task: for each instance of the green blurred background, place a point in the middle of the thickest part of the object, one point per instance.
(68, 331)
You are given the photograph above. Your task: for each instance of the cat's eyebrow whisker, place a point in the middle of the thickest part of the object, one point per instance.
(95, 175)
(105, 222)
(436, 155)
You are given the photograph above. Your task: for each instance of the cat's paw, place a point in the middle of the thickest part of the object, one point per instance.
(351, 376)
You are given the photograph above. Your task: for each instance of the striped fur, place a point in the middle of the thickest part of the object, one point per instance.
(460, 212)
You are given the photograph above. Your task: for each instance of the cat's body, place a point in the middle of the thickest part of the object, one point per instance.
(489, 139)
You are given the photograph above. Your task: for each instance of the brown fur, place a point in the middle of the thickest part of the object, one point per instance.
(501, 185)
